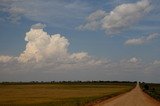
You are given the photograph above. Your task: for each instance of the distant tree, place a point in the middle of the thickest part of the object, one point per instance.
(146, 87)
(153, 89)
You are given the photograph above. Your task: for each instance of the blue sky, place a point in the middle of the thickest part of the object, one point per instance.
(111, 31)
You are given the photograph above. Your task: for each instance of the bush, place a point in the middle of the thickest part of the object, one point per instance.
(146, 87)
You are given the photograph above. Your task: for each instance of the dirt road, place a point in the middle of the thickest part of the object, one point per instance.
(136, 97)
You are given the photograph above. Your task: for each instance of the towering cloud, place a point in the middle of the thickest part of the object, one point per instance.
(119, 19)
(42, 46)
(46, 53)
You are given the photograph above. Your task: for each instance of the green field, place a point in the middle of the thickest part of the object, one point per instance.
(57, 94)
(151, 89)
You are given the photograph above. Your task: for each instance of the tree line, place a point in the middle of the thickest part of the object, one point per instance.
(66, 82)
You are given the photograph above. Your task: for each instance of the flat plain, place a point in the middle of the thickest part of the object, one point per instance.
(77, 94)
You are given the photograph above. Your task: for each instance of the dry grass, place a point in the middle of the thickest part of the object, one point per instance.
(57, 94)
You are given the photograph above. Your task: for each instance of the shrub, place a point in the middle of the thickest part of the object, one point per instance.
(146, 87)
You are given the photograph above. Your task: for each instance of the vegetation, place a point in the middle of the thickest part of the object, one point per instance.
(65, 93)
(152, 89)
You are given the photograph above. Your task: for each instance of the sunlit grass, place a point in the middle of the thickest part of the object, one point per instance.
(58, 94)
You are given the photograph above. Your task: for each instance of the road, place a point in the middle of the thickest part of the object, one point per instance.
(135, 97)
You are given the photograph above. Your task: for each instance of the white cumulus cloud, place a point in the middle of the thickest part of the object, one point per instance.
(142, 40)
(5, 59)
(156, 62)
(133, 60)
(93, 20)
(119, 19)
(38, 26)
(49, 52)
(43, 47)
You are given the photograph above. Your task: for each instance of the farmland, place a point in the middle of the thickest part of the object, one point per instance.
(59, 94)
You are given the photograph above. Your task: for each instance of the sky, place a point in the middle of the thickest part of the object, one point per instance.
(47, 40)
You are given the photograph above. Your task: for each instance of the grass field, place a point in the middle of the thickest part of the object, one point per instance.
(152, 89)
(58, 94)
